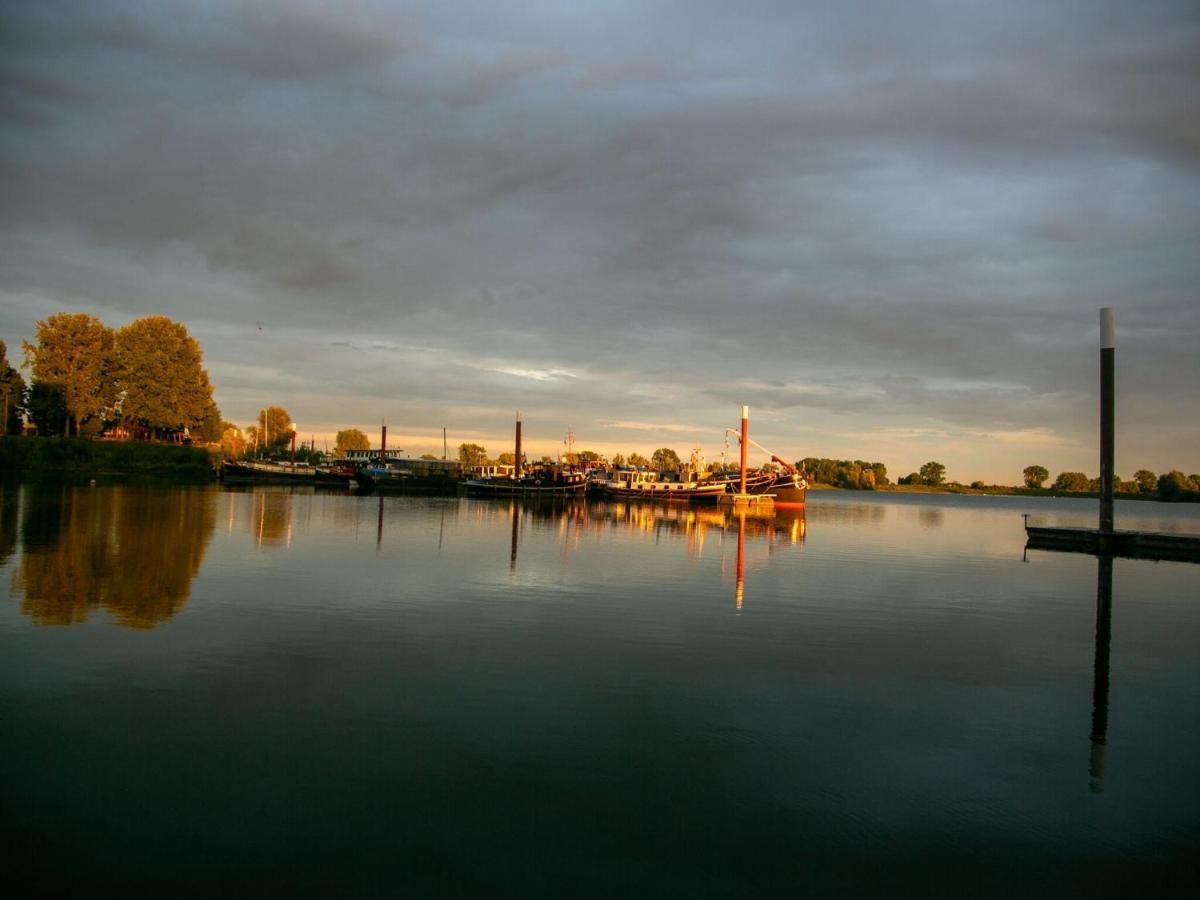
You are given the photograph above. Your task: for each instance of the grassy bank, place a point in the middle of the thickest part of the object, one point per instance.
(1001, 490)
(167, 461)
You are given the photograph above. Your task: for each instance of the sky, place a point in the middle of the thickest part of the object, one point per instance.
(886, 227)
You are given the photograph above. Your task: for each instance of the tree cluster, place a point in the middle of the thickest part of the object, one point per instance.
(147, 376)
(857, 474)
(1172, 485)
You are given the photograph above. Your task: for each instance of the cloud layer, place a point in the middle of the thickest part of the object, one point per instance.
(886, 227)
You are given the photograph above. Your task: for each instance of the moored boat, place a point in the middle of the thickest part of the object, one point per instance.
(634, 484)
(539, 481)
(252, 471)
(411, 476)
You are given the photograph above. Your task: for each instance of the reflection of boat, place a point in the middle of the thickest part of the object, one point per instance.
(267, 472)
(539, 481)
(630, 484)
(412, 476)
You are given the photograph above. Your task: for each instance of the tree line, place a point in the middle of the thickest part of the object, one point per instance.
(147, 378)
(1170, 485)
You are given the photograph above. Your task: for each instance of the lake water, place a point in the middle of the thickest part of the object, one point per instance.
(273, 692)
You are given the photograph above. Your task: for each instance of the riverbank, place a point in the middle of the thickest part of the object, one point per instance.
(180, 464)
(1002, 491)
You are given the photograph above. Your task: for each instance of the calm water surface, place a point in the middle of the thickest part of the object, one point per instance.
(268, 692)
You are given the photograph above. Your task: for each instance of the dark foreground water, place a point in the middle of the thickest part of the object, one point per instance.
(248, 693)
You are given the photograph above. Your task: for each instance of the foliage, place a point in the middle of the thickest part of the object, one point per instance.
(1071, 481)
(665, 459)
(1147, 481)
(272, 430)
(164, 387)
(1035, 476)
(47, 408)
(910, 478)
(1174, 484)
(176, 461)
(75, 351)
(637, 461)
(350, 439)
(618, 459)
(590, 456)
(12, 395)
(933, 473)
(978, 485)
(507, 459)
(428, 456)
(471, 454)
(844, 473)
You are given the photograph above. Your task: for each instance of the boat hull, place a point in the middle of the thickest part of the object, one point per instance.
(509, 488)
(667, 493)
(265, 473)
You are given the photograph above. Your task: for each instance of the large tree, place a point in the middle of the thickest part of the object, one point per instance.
(160, 372)
(1071, 481)
(273, 428)
(638, 461)
(471, 454)
(12, 395)
(1035, 476)
(665, 460)
(350, 439)
(1147, 481)
(933, 473)
(75, 351)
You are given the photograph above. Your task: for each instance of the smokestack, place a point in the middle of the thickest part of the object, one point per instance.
(383, 446)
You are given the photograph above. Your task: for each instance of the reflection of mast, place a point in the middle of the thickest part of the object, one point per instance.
(741, 559)
(379, 527)
(1100, 671)
(516, 522)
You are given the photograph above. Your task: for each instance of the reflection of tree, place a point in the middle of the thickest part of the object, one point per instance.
(9, 498)
(133, 551)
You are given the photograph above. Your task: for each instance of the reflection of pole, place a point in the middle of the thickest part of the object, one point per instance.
(1108, 345)
(741, 553)
(1100, 671)
(379, 528)
(745, 435)
(516, 520)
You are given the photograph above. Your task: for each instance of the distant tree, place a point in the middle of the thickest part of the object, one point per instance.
(589, 456)
(1173, 484)
(75, 351)
(429, 456)
(12, 395)
(1035, 476)
(881, 476)
(933, 473)
(1071, 481)
(350, 439)
(1195, 480)
(471, 454)
(665, 459)
(978, 484)
(47, 408)
(159, 371)
(1147, 481)
(618, 459)
(547, 460)
(638, 461)
(507, 459)
(212, 426)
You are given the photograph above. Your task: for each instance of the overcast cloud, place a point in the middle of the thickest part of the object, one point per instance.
(887, 227)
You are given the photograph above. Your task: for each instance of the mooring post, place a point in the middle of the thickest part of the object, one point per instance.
(745, 434)
(383, 445)
(517, 460)
(1108, 344)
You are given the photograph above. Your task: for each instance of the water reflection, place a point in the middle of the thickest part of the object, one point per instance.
(10, 503)
(132, 551)
(697, 527)
(1099, 734)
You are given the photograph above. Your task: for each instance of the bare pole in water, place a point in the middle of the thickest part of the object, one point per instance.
(745, 435)
(517, 455)
(1108, 345)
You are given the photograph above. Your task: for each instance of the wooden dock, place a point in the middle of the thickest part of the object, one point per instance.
(1132, 544)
